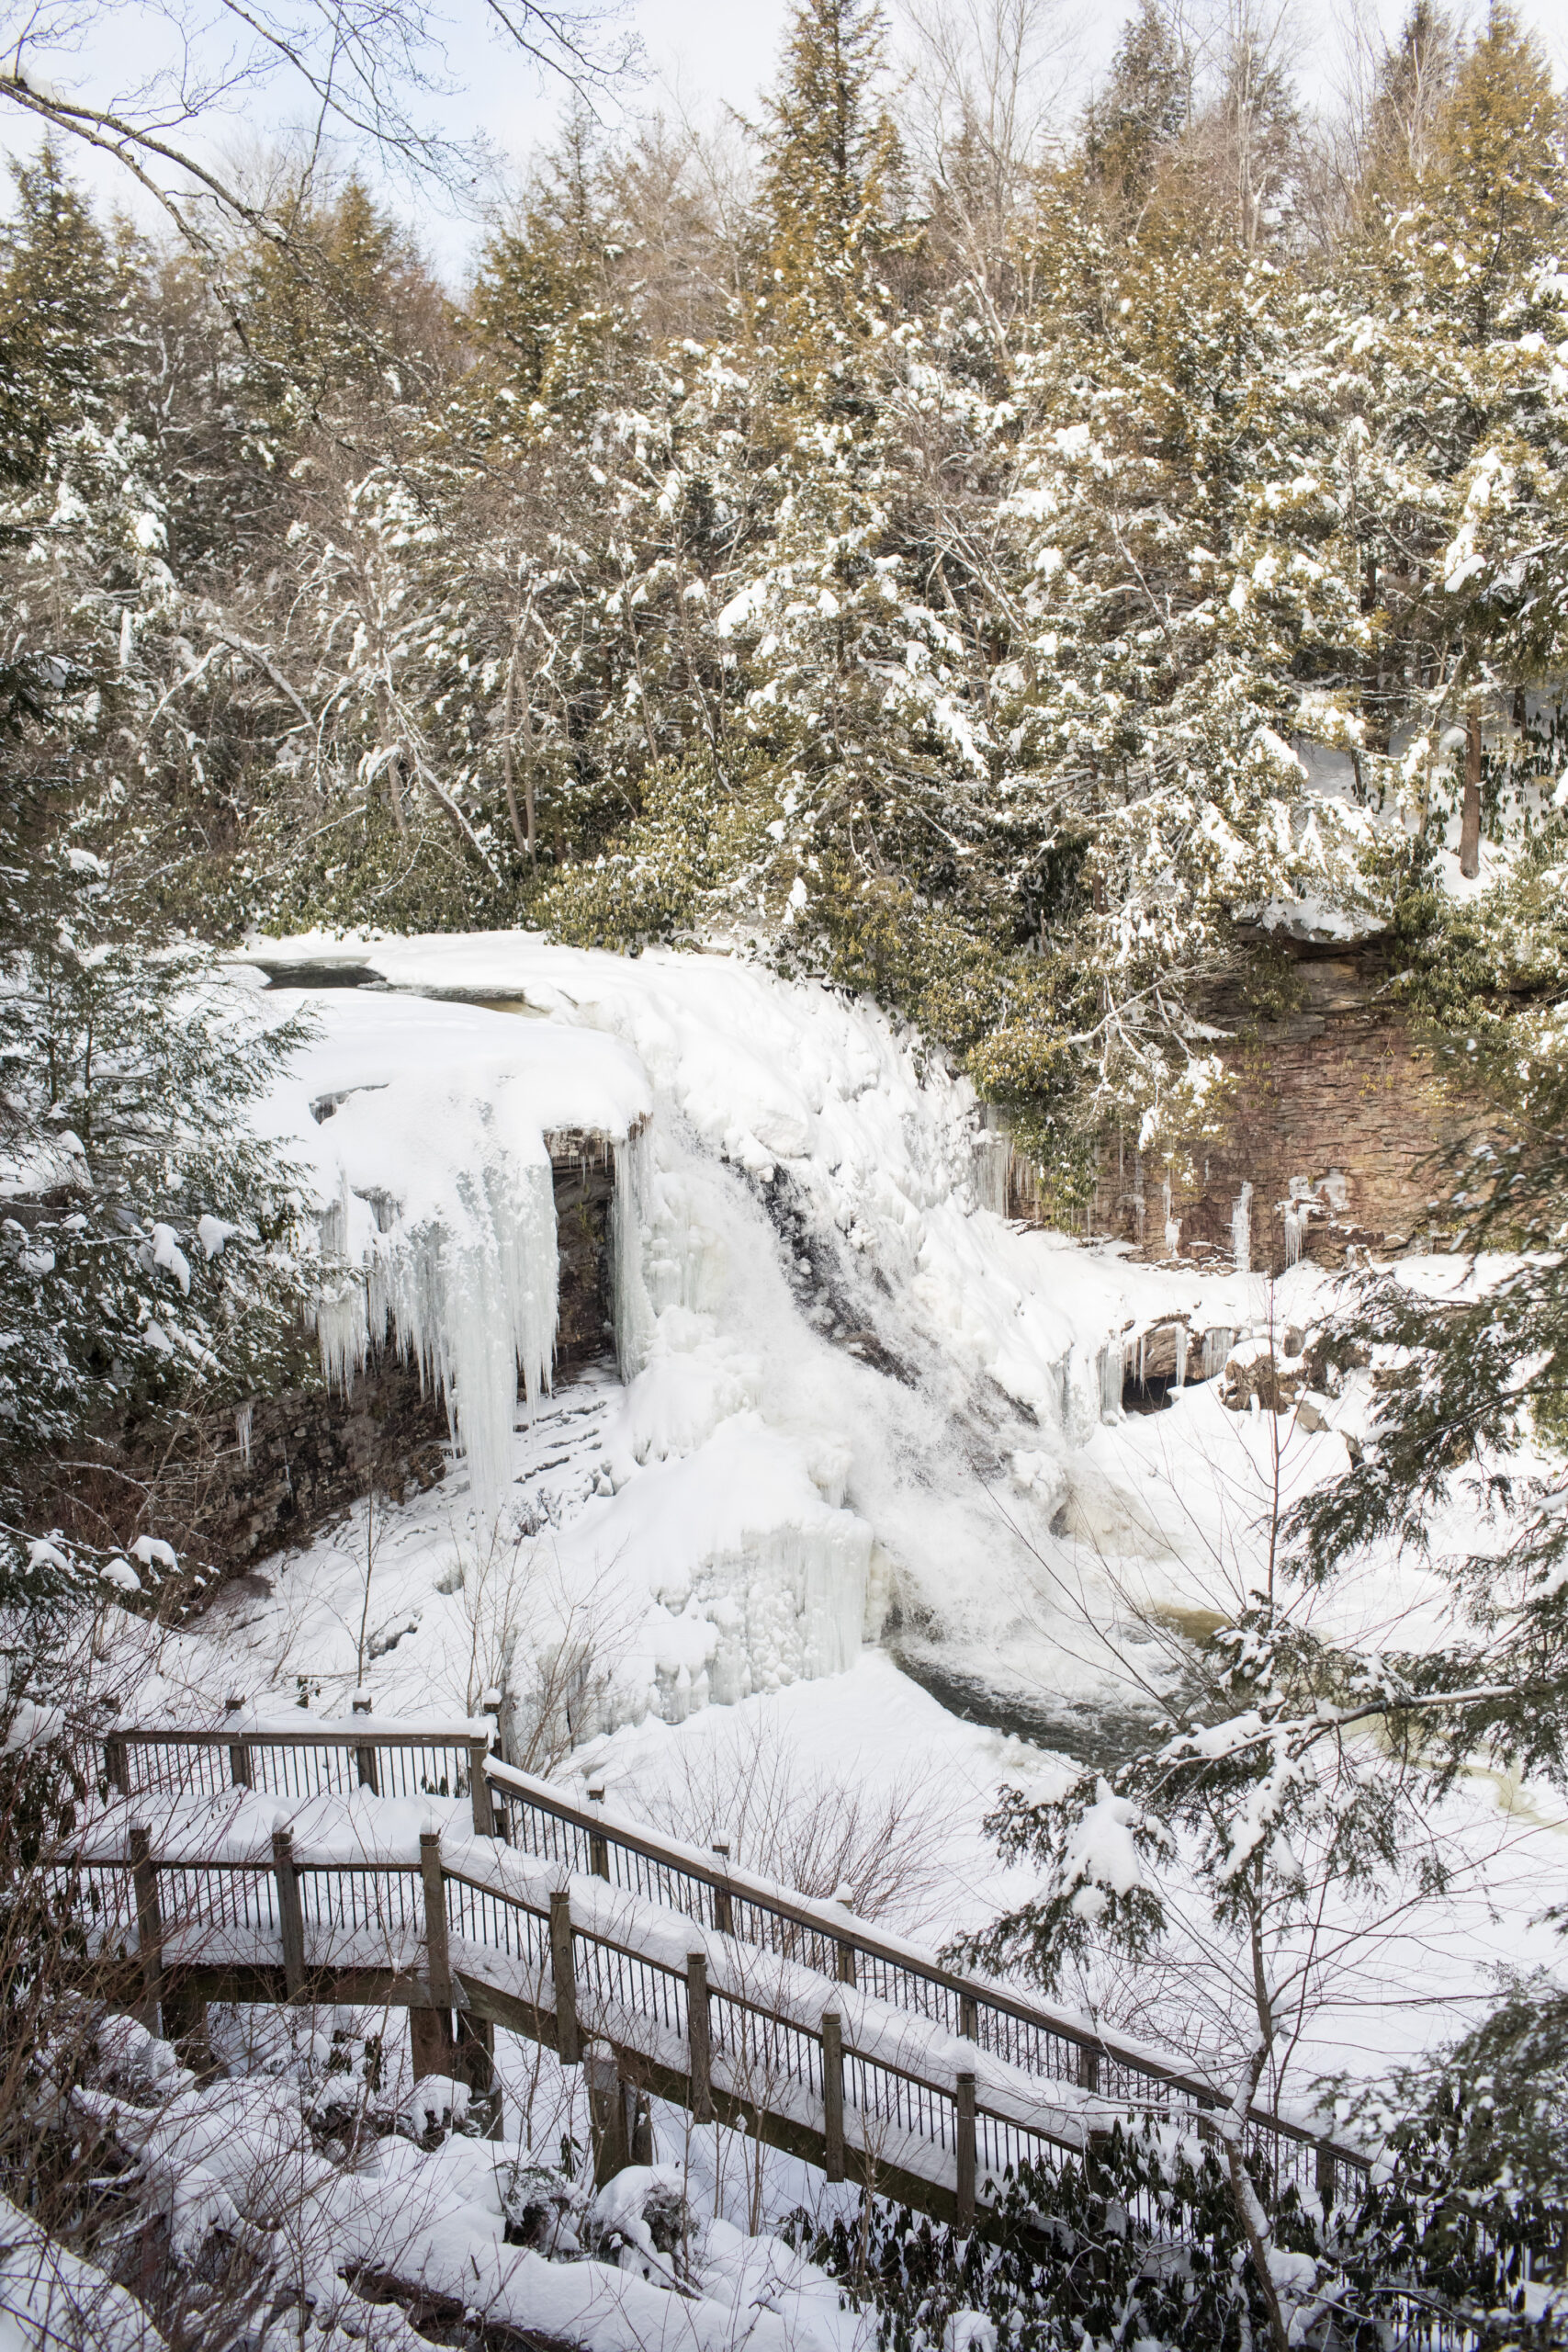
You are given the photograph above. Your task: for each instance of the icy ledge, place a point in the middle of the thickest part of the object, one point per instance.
(424, 1128)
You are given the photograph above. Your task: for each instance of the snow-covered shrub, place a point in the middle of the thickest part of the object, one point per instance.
(1470, 2203)
(544, 2208)
(800, 1822)
(640, 2221)
(1140, 2245)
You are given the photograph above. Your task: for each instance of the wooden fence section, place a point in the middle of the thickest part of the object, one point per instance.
(318, 1759)
(365, 1932)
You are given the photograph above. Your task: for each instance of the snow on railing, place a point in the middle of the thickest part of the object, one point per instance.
(656, 1903)
(828, 1940)
(438, 1756)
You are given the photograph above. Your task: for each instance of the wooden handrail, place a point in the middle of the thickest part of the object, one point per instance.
(835, 1926)
(956, 2141)
(363, 1732)
(727, 1885)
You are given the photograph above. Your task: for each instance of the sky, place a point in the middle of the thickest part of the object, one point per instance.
(702, 60)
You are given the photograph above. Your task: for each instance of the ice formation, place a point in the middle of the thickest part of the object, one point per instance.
(1241, 1230)
(426, 1137)
(835, 1349)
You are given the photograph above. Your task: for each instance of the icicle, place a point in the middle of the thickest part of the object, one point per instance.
(1172, 1224)
(992, 1148)
(628, 1220)
(1295, 1220)
(244, 1417)
(1140, 1374)
(1217, 1345)
(1112, 1379)
(471, 1295)
(1181, 1340)
(1241, 1230)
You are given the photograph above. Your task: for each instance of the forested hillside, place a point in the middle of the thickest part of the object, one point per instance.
(982, 560)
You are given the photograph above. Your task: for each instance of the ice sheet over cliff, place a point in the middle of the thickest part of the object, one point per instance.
(853, 1391)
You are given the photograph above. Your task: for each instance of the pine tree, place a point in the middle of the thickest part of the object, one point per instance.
(830, 152)
(1143, 107)
(342, 305)
(1414, 81)
(60, 301)
(1498, 170)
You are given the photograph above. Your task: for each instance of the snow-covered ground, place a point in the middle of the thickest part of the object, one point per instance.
(869, 1431)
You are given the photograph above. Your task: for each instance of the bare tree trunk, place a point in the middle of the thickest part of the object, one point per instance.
(394, 760)
(1470, 820)
(1255, 2224)
(526, 844)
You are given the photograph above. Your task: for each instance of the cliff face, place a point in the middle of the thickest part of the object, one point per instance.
(1333, 1116)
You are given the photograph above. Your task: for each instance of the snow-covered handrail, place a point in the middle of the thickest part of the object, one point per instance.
(447, 1757)
(436, 1920)
(415, 1755)
(837, 1943)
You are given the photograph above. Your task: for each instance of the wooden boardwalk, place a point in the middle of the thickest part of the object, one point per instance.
(669, 1972)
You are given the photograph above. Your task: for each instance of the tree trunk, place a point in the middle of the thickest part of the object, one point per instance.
(523, 841)
(1470, 820)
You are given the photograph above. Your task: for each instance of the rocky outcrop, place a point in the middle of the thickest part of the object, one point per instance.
(1329, 1131)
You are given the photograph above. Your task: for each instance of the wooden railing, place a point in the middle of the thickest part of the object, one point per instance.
(339, 1920)
(543, 1820)
(312, 1758)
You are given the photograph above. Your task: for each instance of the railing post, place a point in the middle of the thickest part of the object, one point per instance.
(363, 1750)
(846, 1963)
(1089, 2068)
(699, 2036)
(968, 2016)
(290, 1914)
(238, 1755)
(723, 1908)
(117, 1763)
(438, 1963)
(598, 1847)
(479, 1789)
(965, 2150)
(607, 2113)
(833, 2096)
(569, 2048)
(1325, 2176)
(474, 2064)
(149, 1922)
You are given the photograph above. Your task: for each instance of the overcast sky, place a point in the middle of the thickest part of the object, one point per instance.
(702, 57)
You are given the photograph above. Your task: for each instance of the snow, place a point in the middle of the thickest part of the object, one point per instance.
(862, 1421)
(48, 2296)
